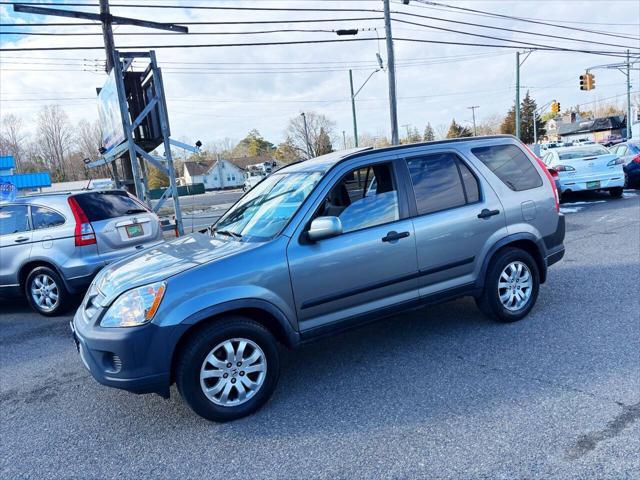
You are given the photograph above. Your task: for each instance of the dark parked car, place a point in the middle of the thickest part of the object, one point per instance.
(629, 152)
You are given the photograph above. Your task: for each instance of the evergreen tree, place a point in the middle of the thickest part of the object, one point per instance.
(457, 131)
(527, 107)
(429, 135)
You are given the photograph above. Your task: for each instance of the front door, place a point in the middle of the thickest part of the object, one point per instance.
(369, 268)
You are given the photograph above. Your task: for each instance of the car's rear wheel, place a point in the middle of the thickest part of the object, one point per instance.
(229, 369)
(46, 291)
(511, 286)
(616, 192)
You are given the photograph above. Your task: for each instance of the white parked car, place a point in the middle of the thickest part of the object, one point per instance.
(587, 167)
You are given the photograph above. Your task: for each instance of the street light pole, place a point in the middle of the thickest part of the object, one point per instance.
(628, 97)
(353, 110)
(473, 114)
(391, 69)
(517, 111)
(306, 134)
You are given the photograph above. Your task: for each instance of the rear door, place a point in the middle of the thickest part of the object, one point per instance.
(15, 242)
(457, 218)
(119, 221)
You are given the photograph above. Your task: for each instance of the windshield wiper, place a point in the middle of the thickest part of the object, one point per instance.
(229, 233)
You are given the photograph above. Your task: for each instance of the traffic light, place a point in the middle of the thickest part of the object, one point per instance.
(555, 107)
(587, 81)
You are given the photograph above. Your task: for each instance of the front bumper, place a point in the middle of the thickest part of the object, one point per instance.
(136, 359)
(583, 183)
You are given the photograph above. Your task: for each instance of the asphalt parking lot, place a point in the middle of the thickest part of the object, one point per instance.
(440, 392)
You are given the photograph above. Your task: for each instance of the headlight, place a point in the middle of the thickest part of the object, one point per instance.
(135, 307)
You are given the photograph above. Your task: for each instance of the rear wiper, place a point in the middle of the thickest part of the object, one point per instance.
(135, 210)
(228, 233)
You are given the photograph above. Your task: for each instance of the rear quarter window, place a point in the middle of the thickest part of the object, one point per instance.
(99, 206)
(511, 165)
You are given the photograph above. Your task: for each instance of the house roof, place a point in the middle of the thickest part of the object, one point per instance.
(197, 168)
(6, 162)
(596, 125)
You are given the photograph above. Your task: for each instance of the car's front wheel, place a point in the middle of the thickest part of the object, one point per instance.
(229, 369)
(46, 291)
(511, 286)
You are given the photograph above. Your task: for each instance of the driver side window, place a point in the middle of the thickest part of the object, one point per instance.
(365, 197)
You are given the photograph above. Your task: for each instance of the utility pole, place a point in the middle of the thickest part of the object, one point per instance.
(391, 69)
(107, 33)
(306, 134)
(473, 114)
(353, 110)
(628, 97)
(517, 115)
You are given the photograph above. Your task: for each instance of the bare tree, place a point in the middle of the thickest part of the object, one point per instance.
(12, 140)
(321, 132)
(54, 140)
(441, 131)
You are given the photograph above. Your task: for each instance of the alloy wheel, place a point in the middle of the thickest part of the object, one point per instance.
(515, 286)
(233, 372)
(45, 292)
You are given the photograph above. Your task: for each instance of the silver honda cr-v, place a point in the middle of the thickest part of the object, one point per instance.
(317, 247)
(52, 245)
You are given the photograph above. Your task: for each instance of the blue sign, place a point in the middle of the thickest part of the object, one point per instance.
(8, 192)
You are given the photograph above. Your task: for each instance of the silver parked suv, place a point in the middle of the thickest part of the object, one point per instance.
(317, 247)
(52, 245)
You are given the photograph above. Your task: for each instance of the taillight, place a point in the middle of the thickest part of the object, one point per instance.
(84, 234)
(564, 168)
(548, 175)
(553, 172)
(636, 159)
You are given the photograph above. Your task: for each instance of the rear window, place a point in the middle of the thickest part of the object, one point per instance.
(511, 165)
(105, 205)
(13, 219)
(582, 152)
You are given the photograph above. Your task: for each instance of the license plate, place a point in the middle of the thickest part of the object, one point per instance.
(591, 185)
(134, 230)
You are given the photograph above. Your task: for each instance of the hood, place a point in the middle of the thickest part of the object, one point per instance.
(165, 260)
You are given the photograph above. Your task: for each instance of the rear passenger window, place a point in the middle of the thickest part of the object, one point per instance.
(42, 217)
(441, 182)
(13, 219)
(510, 164)
(104, 205)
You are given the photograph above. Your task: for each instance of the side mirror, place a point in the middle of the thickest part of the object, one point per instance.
(324, 227)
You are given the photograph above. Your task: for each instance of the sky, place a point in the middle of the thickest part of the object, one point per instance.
(223, 92)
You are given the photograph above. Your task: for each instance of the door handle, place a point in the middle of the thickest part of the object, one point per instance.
(21, 239)
(486, 213)
(393, 235)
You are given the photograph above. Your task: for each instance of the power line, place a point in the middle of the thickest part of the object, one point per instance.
(257, 32)
(510, 17)
(500, 28)
(242, 22)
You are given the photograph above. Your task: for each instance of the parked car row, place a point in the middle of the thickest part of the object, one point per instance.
(594, 167)
(52, 245)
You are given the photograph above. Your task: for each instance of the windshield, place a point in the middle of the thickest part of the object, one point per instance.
(592, 151)
(267, 208)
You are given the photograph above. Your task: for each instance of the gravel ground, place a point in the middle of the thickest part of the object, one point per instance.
(439, 392)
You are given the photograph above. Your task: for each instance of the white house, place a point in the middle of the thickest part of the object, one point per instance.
(214, 175)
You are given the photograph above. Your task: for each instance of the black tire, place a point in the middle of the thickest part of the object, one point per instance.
(64, 296)
(489, 302)
(616, 192)
(193, 355)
